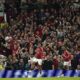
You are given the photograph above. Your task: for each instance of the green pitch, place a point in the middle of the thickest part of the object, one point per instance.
(62, 78)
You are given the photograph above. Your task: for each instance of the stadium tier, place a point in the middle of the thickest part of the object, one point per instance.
(40, 35)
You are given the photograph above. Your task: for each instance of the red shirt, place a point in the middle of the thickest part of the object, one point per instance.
(38, 32)
(11, 44)
(66, 55)
(39, 53)
(55, 63)
(15, 49)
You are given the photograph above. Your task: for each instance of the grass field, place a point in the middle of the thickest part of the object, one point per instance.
(62, 78)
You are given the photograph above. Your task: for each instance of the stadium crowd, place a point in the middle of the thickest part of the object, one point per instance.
(48, 38)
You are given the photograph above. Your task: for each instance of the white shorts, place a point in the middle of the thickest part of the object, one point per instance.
(67, 63)
(33, 59)
(39, 61)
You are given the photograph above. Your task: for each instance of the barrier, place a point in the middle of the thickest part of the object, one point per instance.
(36, 73)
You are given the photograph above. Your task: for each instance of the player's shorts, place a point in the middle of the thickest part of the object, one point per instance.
(35, 60)
(67, 63)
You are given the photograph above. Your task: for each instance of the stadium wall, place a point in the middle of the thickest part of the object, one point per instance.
(36, 73)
